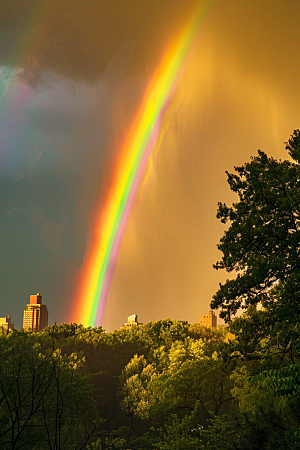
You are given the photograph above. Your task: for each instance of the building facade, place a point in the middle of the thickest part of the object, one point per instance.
(35, 316)
(209, 321)
(5, 322)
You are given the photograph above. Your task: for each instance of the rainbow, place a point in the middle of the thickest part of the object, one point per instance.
(134, 155)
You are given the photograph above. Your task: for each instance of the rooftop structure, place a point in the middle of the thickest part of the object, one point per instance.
(132, 321)
(35, 316)
(35, 299)
(209, 321)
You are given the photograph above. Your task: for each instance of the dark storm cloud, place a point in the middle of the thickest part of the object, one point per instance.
(58, 188)
(77, 39)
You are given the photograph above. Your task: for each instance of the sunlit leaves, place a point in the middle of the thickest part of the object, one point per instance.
(175, 379)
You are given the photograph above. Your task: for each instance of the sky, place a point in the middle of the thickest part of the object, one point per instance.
(73, 77)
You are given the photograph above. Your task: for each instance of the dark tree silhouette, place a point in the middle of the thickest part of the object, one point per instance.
(262, 243)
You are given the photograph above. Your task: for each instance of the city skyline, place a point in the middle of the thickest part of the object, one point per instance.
(35, 317)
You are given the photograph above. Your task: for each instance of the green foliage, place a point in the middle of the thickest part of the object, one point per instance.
(221, 433)
(211, 336)
(45, 399)
(114, 443)
(183, 386)
(53, 371)
(282, 382)
(177, 435)
(174, 380)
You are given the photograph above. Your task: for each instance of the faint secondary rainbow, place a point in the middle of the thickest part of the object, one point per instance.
(134, 155)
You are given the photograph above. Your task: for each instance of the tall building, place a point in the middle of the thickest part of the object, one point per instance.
(35, 316)
(209, 321)
(5, 322)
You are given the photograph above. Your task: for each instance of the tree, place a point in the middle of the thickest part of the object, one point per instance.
(174, 380)
(178, 435)
(45, 399)
(262, 243)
